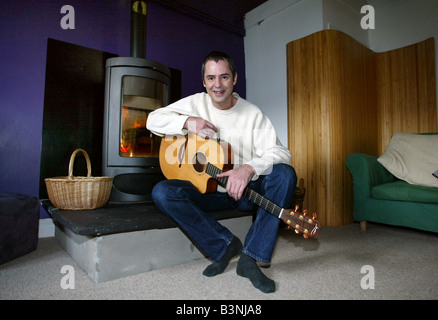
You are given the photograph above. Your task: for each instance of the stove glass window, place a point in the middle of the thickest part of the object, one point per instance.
(140, 96)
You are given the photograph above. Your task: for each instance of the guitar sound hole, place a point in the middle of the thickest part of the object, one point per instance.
(199, 162)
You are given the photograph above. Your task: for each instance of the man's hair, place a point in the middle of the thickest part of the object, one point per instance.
(216, 56)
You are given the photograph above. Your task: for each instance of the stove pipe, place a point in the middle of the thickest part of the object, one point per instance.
(138, 29)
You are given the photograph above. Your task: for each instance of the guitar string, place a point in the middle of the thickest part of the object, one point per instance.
(252, 195)
(255, 197)
(258, 199)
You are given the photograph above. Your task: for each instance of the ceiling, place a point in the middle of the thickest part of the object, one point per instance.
(228, 14)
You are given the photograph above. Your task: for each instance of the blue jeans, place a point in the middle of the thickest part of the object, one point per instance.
(181, 201)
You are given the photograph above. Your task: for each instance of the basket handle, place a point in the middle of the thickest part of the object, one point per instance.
(72, 161)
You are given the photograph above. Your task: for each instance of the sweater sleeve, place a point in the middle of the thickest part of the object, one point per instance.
(170, 119)
(268, 149)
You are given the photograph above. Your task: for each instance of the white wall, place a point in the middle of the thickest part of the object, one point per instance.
(345, 16)
(271, 26)
(400, 23)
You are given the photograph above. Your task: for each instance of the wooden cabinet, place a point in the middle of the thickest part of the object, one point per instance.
(340, 100)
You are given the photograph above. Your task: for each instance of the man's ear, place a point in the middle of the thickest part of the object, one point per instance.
(235, 79)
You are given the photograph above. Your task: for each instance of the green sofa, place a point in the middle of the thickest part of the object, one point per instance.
(381, 197)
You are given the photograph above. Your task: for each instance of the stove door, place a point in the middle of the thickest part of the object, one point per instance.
(134, 93)
(140, 96)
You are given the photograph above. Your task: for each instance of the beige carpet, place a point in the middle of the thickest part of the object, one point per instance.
(404, 261)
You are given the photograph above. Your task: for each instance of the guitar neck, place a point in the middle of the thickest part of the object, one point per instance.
(255, 197)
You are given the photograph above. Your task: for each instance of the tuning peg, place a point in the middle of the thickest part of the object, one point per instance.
(306, 211)
(297, 208)
(305, 236)
(314, 215)
(297, 231)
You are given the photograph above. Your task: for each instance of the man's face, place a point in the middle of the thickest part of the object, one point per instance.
(219, 83)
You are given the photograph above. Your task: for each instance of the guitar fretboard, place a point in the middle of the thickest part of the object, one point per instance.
(255, 197)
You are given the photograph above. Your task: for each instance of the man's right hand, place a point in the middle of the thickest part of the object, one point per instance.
(200, 126)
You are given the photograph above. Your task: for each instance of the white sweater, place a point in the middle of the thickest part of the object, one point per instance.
(245, 127)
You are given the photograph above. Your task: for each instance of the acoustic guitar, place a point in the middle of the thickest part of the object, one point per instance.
(199, 161)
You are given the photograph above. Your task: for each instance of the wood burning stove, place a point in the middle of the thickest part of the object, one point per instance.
(134, 87)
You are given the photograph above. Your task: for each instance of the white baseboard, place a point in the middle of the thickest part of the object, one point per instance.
(46, 228)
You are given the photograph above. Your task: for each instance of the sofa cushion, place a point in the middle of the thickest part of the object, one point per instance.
(413, 158)
(403, 191)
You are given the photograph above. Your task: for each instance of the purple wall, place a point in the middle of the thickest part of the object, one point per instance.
(173, 39)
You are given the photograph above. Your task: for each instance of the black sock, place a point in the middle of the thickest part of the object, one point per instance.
(218, 267)
(247, 267)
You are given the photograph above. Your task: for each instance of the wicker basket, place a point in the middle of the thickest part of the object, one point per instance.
(79, 193)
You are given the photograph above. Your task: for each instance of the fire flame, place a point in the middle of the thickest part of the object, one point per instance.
(131, 122)
(122, 147)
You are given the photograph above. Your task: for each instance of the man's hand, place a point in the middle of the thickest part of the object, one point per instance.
(200, 126)
(238, 179)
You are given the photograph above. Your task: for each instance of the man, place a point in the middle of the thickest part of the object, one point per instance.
(260, 162)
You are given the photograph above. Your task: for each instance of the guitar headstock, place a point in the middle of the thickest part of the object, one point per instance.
(301, 222)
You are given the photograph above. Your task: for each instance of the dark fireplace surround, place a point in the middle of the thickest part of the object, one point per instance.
(105, 101)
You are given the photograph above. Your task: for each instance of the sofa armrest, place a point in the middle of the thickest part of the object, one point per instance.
(367, 172)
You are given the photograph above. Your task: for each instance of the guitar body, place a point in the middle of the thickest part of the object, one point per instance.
(186, 157)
